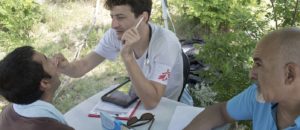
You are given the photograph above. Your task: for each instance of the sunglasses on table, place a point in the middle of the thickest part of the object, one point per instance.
(144, 119)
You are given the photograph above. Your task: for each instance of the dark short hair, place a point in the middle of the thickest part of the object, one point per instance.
(137, 6)
(20, 76)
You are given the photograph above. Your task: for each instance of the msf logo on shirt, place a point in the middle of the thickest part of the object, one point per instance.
(164, 76)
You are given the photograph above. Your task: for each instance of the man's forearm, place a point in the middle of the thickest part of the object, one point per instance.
(80, 67)
(144, 88)
(73, 70)
(213, 116)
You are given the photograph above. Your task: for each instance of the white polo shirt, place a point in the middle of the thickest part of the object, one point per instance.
(161, 62)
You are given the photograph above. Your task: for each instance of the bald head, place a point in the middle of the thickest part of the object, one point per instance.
(277, 65)
(285, 43)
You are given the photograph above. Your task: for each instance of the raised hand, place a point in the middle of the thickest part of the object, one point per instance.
(129, 39)
(61, 62)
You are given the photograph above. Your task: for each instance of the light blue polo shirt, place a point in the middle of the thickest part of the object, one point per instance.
(263, 115)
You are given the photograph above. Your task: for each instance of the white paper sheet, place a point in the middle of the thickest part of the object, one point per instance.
(182, 116)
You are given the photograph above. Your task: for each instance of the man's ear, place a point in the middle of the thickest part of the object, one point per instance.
(44, 84)
(146, 15)
(290, 73)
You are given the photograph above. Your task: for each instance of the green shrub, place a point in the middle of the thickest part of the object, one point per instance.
(230, 30)
(16, 19)
(203, 95)
(229, 56)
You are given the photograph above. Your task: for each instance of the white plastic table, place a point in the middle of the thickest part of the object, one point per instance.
(78, 118)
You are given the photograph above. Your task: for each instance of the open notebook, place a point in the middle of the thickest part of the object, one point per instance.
(117, 111)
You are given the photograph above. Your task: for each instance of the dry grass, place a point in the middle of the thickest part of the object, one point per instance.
(62, 30)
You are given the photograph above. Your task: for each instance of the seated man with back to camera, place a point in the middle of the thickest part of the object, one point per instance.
(272, 102)
(28, 80)
(151, 54)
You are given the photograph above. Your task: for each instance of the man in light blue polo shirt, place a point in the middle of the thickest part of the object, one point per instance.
(263, 115)
(274, 101)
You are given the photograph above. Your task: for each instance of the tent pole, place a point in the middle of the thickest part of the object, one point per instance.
(164, 13)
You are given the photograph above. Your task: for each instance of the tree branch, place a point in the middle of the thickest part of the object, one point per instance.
(275, 16)
(81, 45)
(295, 13)
(83, 42)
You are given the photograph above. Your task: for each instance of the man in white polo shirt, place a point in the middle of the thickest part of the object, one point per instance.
(151, 54)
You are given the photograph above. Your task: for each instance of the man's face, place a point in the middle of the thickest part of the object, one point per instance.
(50, 67)
(268, 71)
(122, 19)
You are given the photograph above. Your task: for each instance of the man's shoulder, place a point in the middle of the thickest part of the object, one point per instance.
(52, 123)
(251, 90)
(36, 124)
(248, 98)
(162, 36)
(245, 98)
(9, 116)
(110, 33)
(162, 31)
(109, 38)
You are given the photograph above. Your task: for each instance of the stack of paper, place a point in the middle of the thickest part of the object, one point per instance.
(113, 109)
(183, 115)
